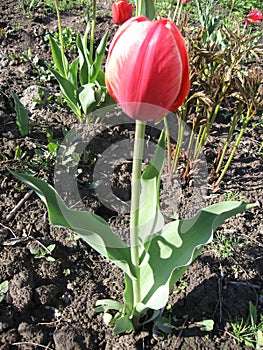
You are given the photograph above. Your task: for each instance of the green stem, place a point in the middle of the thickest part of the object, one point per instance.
(61, 40)
(135, 207)
(168, 141)
(229, 137)
(179, 13)
(138, 11)
(93, 25)
(243, 129)
(178, 145)
(202, 137)
(176, 10)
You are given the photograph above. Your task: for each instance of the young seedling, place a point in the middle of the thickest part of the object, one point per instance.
(21, 116)
(3, 290)
(250, 332)
(225, 246)
(44, 252)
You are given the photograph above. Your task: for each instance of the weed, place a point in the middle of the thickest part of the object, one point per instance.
(249, 332)
(225, 246)
(44, 252)
(66, 272)
(3, 290)
(68, 36)
(21, 116)
(40, 69)
(233, 196)
(181, 287)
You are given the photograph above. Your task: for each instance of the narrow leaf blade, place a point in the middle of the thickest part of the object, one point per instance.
(90, 227)
(21, 116)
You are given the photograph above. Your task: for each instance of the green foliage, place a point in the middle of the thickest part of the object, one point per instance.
(165, 250)
(44, 253)
(210, 22)
(21, 116)
(220, 79)
(223, 8)
(225, 246)
(250, 332)
(148, 9)
(82, 82)
(39, 69)
(233, 196)
(3, 290)
(207, 325)
(30, 7)
(69, 39)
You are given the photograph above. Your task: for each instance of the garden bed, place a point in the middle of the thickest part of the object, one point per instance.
(50, 304)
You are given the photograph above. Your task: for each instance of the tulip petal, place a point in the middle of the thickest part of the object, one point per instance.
(147, 64)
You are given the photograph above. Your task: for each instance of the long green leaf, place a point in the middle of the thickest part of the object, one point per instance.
(21, 116)
(148, 9)
(57, 57)
(150, 218)
(99, 56)
(177, 245)
(90, 227)
(87, 97)
(68, 91)
(84, 64)
(73, 73)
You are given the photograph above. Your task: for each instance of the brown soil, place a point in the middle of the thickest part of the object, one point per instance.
(50, 305)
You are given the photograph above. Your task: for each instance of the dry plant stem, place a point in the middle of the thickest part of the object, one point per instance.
(61, 39)
(25, 343)
(93, 25)
(135, 207)
(18, 206)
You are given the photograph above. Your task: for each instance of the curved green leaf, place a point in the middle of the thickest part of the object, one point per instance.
(90, 227)
(57, 57)
(87, 97)
(21, 116)
(151, 220)
(84, 64)
(99, 56)
(73, 73)
(176, 247)
(68, 91)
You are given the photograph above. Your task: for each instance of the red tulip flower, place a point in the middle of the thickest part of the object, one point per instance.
(121, 11)
(253, 17)
(185, 1)
(147, 69)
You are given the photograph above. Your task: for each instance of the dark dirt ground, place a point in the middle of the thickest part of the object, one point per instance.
(49, 305)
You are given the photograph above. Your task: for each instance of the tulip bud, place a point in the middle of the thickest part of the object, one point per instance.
(121, 11)
(147, 66)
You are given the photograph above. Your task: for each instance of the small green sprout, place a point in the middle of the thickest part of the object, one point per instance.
(66, 272)
(249, 332)
(44, 252)
(3, 290)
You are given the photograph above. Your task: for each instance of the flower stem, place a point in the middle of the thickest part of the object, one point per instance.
(61, 40)
(135, 206)
(93, 25)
